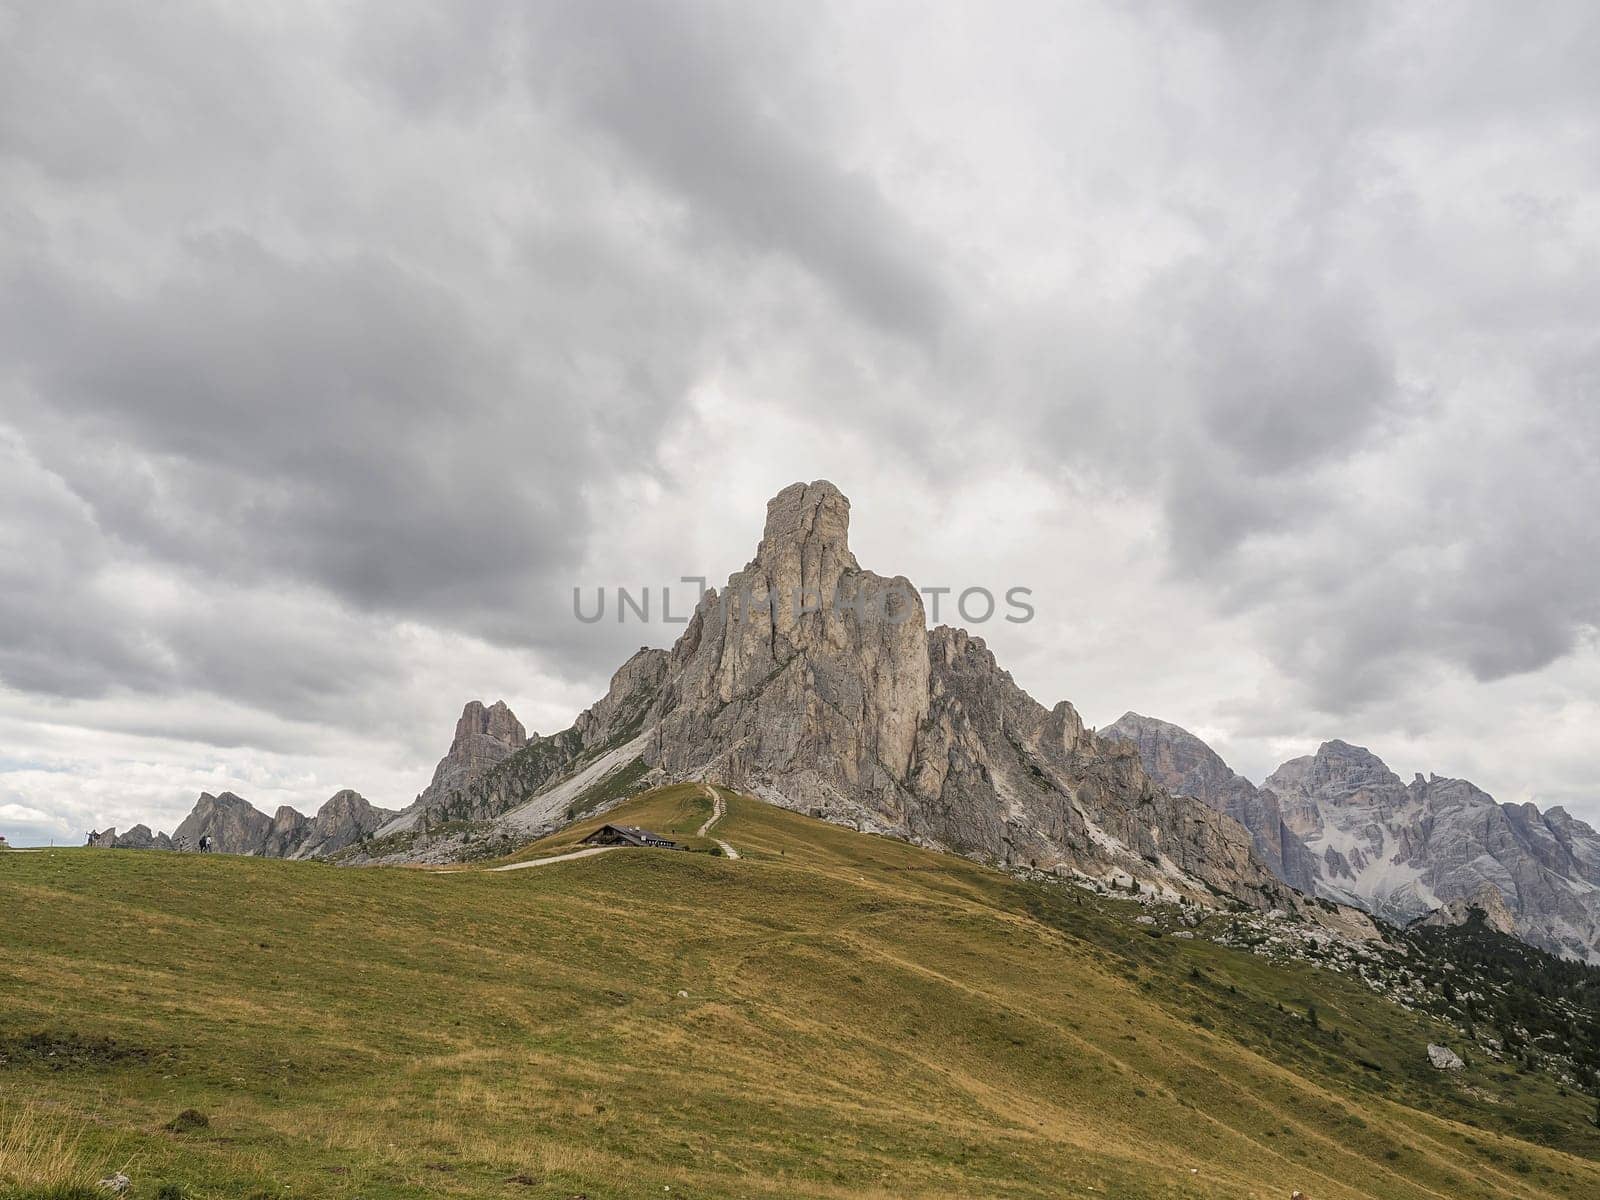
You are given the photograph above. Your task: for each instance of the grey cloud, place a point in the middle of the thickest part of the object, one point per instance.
(336, 411)
(691, 95)
(315, 332)
(91, 94)
(1283, 385)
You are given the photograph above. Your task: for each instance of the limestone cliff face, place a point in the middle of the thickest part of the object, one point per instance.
(1488, 900)
(816, 683)
(344, 818)
(1186, 766)
(485, 737)
(806, 675)
(997, 772)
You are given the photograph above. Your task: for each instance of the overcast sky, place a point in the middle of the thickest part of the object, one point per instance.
(1260, 340)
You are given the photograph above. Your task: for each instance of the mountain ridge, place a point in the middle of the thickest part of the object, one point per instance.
(1423, 851)
(817, 685)
(235, 826)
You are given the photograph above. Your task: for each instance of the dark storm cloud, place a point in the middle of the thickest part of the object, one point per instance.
(334, 409)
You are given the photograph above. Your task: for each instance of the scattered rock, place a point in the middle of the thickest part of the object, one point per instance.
(60, 1051)
(1444, 1058)
(117, 1184)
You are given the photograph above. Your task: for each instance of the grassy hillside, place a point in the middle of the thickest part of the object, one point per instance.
(833, 1015)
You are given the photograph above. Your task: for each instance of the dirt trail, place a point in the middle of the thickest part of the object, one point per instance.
(554, 858)
(718, 811)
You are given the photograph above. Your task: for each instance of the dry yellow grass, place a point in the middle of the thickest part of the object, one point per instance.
(862, 1018)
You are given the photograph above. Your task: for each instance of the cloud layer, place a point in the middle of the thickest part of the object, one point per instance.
(1259, 339)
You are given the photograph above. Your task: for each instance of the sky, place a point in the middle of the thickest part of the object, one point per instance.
(338, 345)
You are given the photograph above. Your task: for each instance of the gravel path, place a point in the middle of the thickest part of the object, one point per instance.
(554, 858)
(718, 810)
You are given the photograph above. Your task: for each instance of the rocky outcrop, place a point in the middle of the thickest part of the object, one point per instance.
(485, 738)
(233, 824)
(137, 838)
(1487, 901)
(1431, 851)
(816, 683)
(1443, 1058)
(344, 818)
(140, 838)
(996, 771)
(236, 826)
(1186, 766)
(806, 675)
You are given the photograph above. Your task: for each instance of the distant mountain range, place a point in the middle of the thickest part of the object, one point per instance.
(1341, 825)
(235, 826)
(848, 707)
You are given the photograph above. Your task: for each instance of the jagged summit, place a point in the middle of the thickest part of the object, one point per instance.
(485, 737)
(1184, 764)
(1433, 850)
(813, 515)
(235, 826)
(816, 684)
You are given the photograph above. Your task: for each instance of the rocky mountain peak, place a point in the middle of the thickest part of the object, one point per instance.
(817, 685)
(1185, 765)
(486, 735)
(497, 722)
(1337, 769)
(346, 800)
(1181, 761)
(809, 518)
(1437, 849)
(236, 826)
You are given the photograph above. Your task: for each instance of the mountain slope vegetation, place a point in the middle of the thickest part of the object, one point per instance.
(833, 1015)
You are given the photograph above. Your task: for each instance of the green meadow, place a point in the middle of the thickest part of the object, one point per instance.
(832, 1015)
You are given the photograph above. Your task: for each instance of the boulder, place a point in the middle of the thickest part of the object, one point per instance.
(1444, 1058)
